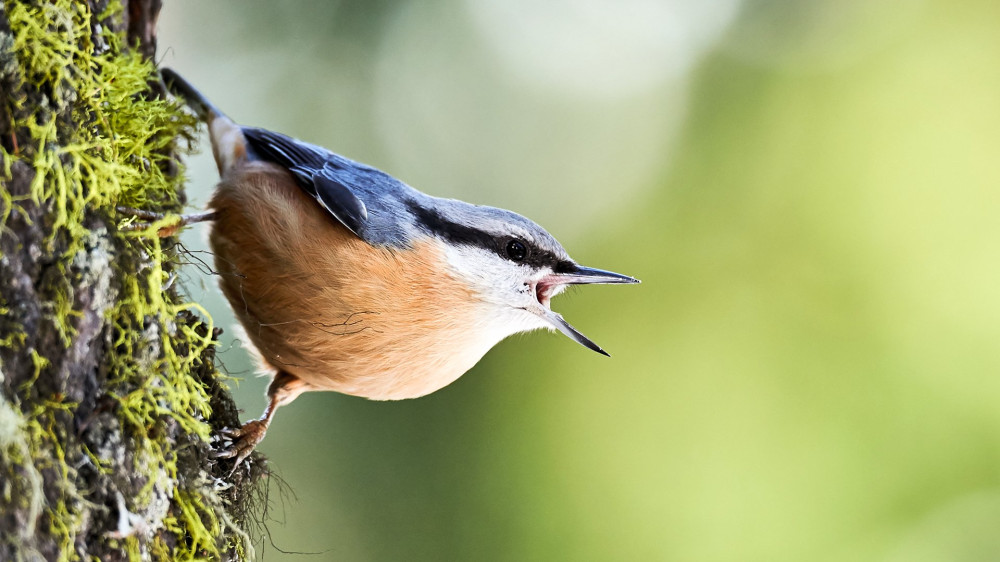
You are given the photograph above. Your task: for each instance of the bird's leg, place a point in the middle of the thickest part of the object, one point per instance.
(283, 389)
(150, 217)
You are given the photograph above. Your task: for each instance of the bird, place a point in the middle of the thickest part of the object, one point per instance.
(346, 279)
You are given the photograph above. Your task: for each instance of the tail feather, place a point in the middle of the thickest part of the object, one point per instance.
(229, 146)
(194, 99)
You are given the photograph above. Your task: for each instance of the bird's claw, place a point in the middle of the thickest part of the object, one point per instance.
(140, 213)
(244, 441)
(150, 218)
(231, 432)
(147, 218)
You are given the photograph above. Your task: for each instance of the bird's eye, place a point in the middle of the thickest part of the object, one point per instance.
(516, 250)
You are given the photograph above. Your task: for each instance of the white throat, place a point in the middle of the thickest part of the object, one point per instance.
(504, 289)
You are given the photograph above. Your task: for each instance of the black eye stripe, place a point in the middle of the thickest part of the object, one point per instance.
(455, 233)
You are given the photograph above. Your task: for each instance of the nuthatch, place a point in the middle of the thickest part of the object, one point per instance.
(347, 279)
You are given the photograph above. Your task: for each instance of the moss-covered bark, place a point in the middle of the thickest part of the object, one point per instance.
(108, 394)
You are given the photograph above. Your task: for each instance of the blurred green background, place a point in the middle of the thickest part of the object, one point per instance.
(810, 192)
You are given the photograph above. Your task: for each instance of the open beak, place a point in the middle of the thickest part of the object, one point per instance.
(588, 275)
(580, 275)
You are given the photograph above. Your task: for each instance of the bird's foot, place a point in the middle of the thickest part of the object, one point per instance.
(244, 441)
(148, 219)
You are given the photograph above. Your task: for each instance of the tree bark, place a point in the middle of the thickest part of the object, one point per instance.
(108, 392)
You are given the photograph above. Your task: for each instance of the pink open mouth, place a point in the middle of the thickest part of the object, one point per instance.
(546, 287)
(544, 291)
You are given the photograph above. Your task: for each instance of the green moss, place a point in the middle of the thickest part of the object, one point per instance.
(118, 154)
(16, 449)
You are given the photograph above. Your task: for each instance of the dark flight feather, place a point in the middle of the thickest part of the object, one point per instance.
(313, 169)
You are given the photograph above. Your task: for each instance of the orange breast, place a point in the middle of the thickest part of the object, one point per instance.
(327, 307)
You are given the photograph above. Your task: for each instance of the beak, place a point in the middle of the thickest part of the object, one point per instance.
(580, 275)
(588, 275)
(556, 319)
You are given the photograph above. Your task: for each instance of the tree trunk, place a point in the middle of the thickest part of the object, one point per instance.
(108, 393)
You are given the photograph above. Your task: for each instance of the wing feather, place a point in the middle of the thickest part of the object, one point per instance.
(313, 168)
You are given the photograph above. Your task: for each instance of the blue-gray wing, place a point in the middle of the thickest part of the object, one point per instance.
(318, 172)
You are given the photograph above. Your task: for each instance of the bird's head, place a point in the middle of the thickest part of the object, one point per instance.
(511, 263)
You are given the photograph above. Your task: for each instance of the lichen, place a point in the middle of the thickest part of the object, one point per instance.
(117, 154)
(16, 449)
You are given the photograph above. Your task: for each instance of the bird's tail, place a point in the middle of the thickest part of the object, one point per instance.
(181, 88)
(229, 146)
